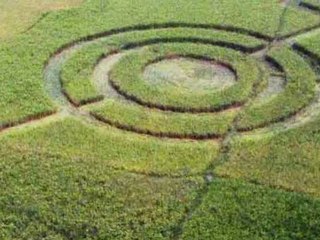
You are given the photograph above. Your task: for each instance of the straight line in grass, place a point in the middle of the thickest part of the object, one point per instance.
(224, 151)
(209, 178)
(42, 17)
(300, 32)
(302, 5)
(281, 21)
(177, 231)
(271, 186)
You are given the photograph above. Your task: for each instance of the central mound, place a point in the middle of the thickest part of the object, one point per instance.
(190, 74)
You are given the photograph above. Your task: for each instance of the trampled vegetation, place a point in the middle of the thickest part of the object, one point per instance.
(161, 120)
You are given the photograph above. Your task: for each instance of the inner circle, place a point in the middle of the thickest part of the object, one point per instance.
(127, 78)
(189, 74)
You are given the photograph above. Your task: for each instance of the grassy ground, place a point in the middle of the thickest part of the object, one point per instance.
(289, 160)
(126, 76)
(52, 194)
(17, 16)
(300, 79)
(117, 149)
(24, 78)
(76, 74)
(311, 44)
(253, 212)
(165, 123)
(121, 169)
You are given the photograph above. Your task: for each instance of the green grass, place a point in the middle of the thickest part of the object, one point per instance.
(58, 196)
(310, 46)
(22, 93)
(289, 160)
(209, 34)
(54, 189)
(77, 73)
(116, 148)
(60, 182)
(311, 43)
(126, 75)
(72, 177)
(299, 92)
(165, 123)
(253, 212)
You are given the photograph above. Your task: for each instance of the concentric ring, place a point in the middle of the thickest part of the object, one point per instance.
(133, 104)
(126, 77)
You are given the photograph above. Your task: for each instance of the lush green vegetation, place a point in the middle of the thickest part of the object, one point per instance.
(311, 44)
(148, 158)
(164, 123)
(253, 212)
(289, 160)
(299, 91)
(23, 58)
(76, 74)
(47, 193)
(202, 33)
(126, 76)
(118, 149)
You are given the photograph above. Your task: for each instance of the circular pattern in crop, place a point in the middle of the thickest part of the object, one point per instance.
(180, 80)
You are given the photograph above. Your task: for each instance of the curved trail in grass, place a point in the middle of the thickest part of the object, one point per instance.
(53, 67)
(54, 87)
(53, 83)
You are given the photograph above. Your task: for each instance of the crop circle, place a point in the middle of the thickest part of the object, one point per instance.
(134, 73)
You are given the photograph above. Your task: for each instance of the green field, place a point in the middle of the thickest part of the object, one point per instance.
(162, 119)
